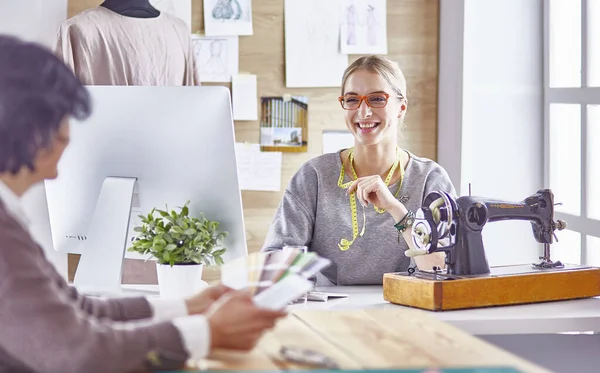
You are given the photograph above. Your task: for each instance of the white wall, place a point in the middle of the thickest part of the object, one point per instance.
(491, 110)
(36, 20)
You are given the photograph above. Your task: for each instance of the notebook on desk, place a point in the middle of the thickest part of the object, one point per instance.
(321, 296)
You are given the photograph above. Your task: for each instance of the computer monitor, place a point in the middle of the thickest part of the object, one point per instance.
(143, 147)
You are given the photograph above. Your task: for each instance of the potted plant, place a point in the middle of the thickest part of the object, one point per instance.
(182, 245)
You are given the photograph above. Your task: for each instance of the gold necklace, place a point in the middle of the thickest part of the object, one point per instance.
(344, 243)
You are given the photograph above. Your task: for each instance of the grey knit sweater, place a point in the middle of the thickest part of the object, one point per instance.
(316, 212)
(46, 326)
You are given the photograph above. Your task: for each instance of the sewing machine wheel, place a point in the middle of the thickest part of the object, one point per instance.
(442, 208)
(427, 231)
(421, 235)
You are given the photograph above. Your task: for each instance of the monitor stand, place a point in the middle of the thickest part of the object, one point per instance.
(101, 264)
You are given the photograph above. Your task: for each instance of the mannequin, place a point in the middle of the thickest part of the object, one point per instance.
(132, 8)
(128, 42)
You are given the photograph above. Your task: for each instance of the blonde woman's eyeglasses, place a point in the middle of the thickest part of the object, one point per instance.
(374, 100)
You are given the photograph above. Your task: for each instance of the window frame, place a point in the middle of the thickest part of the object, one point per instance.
(583, 96)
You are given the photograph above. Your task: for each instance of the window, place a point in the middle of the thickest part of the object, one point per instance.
(565, 157)
(572, 125)
(565, 43)
(593, 246)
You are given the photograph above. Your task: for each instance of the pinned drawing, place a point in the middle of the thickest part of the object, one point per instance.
(179, 8)
(216, 57)
(351, 25)
(363, 27)
(372, 26)
(228, 17)
(227, 10)
(313, 25)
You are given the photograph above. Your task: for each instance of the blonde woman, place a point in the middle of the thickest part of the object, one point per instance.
(356, 206)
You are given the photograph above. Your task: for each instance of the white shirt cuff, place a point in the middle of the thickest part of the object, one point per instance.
(195, 333)
(167, 309)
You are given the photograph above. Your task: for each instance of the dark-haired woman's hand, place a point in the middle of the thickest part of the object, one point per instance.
(201, 302)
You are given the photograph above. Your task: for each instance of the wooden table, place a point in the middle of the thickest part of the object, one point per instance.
(370, 339)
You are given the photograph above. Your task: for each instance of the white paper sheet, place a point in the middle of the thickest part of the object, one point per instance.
(336, 140)
(244, 97)
(228, 17)
(363, 26)
(178, 8)
(216, 57)
(312, 44)
(258, 170)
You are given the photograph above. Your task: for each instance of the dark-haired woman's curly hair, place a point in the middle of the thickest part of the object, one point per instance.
(37, 91)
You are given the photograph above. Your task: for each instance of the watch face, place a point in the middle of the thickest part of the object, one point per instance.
(410, 221)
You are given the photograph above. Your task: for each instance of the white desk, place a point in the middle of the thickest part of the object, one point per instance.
(542, 318)
(581, 315)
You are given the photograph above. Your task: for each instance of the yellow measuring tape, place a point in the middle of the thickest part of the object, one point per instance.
(344, 243)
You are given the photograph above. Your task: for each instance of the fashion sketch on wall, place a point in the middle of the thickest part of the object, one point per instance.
(363, 27)
(228, 17)
(216, 57)
(314, 26)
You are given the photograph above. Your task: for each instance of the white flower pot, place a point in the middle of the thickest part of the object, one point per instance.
(180, 281)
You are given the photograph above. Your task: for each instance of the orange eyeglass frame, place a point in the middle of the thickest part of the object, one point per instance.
(365, 99)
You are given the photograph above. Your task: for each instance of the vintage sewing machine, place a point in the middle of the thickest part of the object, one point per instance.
(454, 226)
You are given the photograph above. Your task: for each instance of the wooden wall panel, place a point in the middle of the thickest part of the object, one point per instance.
(412, 41)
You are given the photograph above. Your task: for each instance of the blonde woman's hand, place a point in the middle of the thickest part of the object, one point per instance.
(372, 189)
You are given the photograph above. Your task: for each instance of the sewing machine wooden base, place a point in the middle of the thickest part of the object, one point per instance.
(506, 285)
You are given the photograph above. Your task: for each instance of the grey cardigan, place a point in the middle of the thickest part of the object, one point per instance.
(46, 326)
(315, 212)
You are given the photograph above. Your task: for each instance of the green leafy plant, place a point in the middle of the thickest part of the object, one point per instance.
(174, 237)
